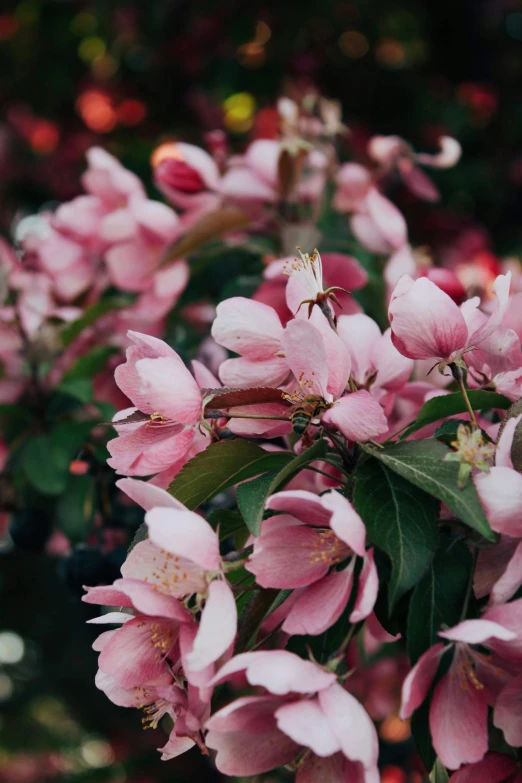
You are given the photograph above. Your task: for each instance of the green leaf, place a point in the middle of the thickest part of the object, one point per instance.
(439, 773)
(252, 495)
(421, 462)
(451, 404)
(75, 508)
(447, 432)
(78, 388)
(41, 470)
(221, 466)
(229, 521)
(90, 363)
(14, 420)
(400, 519)
(90, 316)
(420, 729)
(438, 598)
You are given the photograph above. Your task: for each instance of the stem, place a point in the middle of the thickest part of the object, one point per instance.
(469, 587)
(221, 414)
(458, 375)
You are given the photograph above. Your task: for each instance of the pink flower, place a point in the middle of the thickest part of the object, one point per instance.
(304, 708)
(187, 175)
(458, 712)
(493, 768)
(427, 324)
(109, 181)
(160, 386)
(297, 549)
(392, 152)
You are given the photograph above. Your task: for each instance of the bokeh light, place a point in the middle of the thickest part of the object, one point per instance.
(239, 112)
(12, 647)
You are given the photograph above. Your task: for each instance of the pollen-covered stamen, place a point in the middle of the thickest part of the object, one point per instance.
(155, 712)
(163, 636)
(464, 669)
(309, 269)
(471, 451)
(325, 547)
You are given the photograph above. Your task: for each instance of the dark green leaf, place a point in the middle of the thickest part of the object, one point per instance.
(420, 729)
(75, 508)
(41, 470)
(452, 404)
(438, 598)
(227, 520)
(141, 534)
(90, 363)
(421, 462)
(90, 316)
(14, 419)
(221, 466)
(252, 495)
(447, 432)
(400, 519)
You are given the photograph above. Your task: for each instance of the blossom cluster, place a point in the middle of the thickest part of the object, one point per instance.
(320, 496)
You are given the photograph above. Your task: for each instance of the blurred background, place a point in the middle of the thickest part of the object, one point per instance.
(131, 75)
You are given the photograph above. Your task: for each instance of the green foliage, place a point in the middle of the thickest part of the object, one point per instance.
(439, 597)
(421, 463)
(221, 466)
(76, 506)
(401, 519)
(252, 495)
(46, 457)
(90, 363)
(90, 316)
(452, 404)
(439, 773)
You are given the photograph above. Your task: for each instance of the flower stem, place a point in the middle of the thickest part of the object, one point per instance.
(469, 587)
(458, 375)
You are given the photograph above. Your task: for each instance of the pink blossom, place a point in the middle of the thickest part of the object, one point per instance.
(304, 707)
(427, 324)
(493, 768)
(155, 379)
(187, 175)
(458, 712)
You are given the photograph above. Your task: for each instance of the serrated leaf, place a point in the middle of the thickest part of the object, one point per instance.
(220, 466)
(231, 398)
(452, 404)
(401, 520)
(422, 463)
(447, 432)
(90, 363)
(252, 495)
(90, 316)
(209, 227)
(439, 773)
(438, 598)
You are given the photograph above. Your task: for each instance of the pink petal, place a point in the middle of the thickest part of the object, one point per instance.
(508, 712)
(345, 521)
(449, 155)
(147, 495)
(321, 604)
(310, 366)
(426, 323)
(242, 183)
(289, 558)
(458, 720)
(503, 453)
(305, 506)
(254, 372)
(217, 627)
(393, 369)
(186, 534)
(367, 232)
(337, 354)
(359, 333)
(493, 768)
(147, 600)
(279, 671)
(131, 656)
(167, 386)
(387, 217)
(175, 747)
(306, 724)
(149, 450)
(508, 584)
(477, 632)
(491, 564)
(247, 327)
(400, 263)
(502, 508)
(351, 724)
(510, 616)
(334, 769)
(418, 682)
(367, 590)
(175, 576)
(419, 184)
(358, 416)
(106, 596)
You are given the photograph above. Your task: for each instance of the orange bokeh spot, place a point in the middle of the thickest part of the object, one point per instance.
(393, 729)
(44, 137)
(78, 467)
(131, 112)
(167, 151)
(97, 111)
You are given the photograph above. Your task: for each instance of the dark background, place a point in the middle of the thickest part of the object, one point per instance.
(129, 75)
